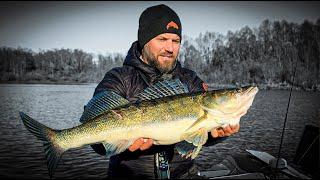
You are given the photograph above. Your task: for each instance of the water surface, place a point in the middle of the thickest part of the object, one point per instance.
(60, 107)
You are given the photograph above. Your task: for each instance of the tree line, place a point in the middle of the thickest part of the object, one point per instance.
(58, 65)
(277, 53)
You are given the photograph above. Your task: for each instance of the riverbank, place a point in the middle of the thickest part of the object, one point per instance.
(273, 86)
(48, 82)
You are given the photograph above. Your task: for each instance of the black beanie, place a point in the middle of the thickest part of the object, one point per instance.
(156, 20)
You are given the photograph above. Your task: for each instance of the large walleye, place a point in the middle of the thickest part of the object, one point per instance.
(165, 112)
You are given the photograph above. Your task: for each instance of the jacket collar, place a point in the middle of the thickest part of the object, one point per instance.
(151, 73)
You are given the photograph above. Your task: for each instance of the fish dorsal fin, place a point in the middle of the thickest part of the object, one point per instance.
(102, 102)
(163, 89)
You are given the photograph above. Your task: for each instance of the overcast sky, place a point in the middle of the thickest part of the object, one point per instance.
(101, 27)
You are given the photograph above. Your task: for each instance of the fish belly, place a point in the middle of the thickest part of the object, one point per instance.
(164, 133)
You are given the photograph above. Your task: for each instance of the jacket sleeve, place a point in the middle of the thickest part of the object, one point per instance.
(190, 78)
(112, 81)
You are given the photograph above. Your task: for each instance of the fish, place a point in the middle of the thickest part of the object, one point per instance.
(165, 112)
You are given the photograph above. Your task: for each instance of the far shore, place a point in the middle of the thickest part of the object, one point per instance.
(48, 82)
(211, 85)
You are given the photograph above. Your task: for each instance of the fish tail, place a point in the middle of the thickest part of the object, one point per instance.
(52, 150)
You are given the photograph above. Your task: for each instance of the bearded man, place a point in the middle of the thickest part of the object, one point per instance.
(152, 58)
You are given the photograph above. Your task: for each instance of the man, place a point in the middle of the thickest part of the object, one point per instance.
(151, 59)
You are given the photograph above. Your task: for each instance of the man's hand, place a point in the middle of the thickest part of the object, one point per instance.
(142, 144)
(227, 131)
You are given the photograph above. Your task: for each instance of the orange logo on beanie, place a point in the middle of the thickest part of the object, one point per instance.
(172, 24)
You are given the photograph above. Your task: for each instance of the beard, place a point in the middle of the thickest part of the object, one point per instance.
(164, 68)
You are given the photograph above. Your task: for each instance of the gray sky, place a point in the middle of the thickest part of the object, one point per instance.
(103, 26)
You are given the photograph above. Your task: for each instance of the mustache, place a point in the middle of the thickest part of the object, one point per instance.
(170, 54)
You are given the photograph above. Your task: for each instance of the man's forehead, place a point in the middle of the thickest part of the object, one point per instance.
(169, 35)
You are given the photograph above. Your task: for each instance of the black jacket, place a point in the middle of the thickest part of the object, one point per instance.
(132, 78)
(135, 75)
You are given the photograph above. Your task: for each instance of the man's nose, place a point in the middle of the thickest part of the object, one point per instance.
(169, 46)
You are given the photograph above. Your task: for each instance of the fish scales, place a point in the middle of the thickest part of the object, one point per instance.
(148, 113)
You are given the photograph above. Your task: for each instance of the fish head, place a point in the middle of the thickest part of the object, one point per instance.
(230, 104)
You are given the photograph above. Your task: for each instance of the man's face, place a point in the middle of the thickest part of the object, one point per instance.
(162, 51)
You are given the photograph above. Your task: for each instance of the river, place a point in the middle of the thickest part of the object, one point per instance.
(60, 106)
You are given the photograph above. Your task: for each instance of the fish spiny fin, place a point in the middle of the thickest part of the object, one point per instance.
(117, 147)
(197, 138)
(52, 151)
(101, 103)
(163, 89)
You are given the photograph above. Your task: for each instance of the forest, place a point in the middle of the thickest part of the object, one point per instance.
(276, 54)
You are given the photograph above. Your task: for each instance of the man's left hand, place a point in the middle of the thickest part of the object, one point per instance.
(227, 131)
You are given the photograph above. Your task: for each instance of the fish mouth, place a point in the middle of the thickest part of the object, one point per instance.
(251, 90)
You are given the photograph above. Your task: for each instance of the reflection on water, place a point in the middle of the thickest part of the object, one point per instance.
(60, 106)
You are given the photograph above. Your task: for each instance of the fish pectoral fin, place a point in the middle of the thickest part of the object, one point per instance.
(199, 120)
(197, 138)
(184, 148)
(192, 143)
(117, 147)
(194, 153)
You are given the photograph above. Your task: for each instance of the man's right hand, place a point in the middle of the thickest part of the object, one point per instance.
(141, 143)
